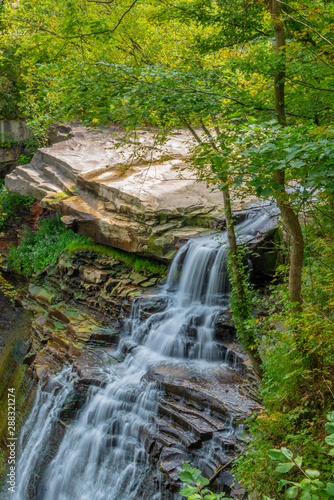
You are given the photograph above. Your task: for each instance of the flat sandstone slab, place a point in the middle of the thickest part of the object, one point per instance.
(132, 194)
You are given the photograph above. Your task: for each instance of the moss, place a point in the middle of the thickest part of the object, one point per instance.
(13, 375)
(202, 221)
(137, 263)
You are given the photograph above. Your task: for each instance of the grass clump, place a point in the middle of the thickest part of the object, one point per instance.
(137, 263)
(10, 205)
(39, 249)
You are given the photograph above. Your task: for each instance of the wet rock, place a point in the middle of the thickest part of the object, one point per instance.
(73, 403)
(171, 459)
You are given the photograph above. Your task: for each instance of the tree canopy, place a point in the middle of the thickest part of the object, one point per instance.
(253, 82)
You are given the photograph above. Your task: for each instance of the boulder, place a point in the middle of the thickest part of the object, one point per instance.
(138, 197)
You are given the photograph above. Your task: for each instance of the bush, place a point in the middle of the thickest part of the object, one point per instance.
(38, 250)
(298, 370)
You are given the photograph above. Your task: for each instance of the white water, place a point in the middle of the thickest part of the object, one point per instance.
(39, 428)
(102, 456)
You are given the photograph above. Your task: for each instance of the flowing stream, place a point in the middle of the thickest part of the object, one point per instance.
(102, 455)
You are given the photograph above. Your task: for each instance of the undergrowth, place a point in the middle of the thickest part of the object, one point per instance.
(39, 249)
(298, 370)
(10, 205)
(137, 263)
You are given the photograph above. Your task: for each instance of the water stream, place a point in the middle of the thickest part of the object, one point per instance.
(102, 455)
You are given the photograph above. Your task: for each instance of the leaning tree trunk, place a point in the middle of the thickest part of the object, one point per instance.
(238, 282)
(289, 216)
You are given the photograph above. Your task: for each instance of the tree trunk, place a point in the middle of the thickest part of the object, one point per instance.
(233, 246)
(237, 279)
(289, 216)
(291, 221)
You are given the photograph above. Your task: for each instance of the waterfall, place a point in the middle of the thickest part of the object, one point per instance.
(102, 454)
(38, 429)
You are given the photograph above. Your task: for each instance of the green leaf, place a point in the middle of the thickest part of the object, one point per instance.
(202, 481)
(305, 495)
(292, 492)
(285, 467)
(275, 454)
(312, 473)
(330, 416)
(331, 452)
(298, 461)
(186, 477)
(330, 440)
(266, 191)
(330, 427)
(297, 164)
(196, 472)
(187, 467)
(188, 490)
(330, 488)
(287, 453)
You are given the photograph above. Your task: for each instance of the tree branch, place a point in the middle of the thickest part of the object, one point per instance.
(105, 31)
(301, 22)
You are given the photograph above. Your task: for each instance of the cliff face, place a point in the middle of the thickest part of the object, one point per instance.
(136, 196)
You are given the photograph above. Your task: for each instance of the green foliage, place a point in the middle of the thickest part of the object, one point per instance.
(5, 287)
(194, 490)
(11, 82)
(298, 376)
(137, 263)
(42, 248)
(39, 249)
(242, 309)
(24, 160)
(308, 485)
(10, 205)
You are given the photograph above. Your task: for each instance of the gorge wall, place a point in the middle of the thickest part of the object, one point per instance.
(173, 342)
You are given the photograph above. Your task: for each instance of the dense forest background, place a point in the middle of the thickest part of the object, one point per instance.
(253, 82)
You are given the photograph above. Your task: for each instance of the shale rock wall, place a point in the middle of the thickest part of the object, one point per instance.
(78, 308)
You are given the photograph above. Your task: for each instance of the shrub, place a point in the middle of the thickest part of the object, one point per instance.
(42, 248)
(298, 370)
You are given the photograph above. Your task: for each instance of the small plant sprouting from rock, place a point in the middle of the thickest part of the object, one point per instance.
(195, 488)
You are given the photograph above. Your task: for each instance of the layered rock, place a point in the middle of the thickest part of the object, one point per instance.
(199, 411)
(133, 195)
(77, 305)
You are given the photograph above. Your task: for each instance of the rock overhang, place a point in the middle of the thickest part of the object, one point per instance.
(138, 202)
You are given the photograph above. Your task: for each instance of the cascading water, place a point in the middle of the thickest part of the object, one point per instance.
(102, 455)
(38, 429)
